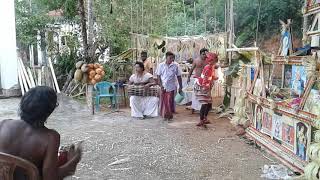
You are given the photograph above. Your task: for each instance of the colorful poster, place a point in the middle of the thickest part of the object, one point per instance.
(302, 140)
(312, 103)
(266, 122)
(288, 133)
(287, 83)
(258, 117)
(299, 81)
(277, 127)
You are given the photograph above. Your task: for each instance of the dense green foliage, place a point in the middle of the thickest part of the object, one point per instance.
(166, 17)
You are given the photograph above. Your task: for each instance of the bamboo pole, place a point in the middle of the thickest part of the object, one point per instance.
(137, 16)
(54, 76)
(33, 84)
(305, 26)
(258, 19)
(142, 16)
(185, 18)
(195, 18)
(24, 81)
(25, 74)
(131, 25)
(20, 81)
(166, 20)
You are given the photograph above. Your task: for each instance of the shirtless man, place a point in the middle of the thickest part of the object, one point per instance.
(198, 66)
(28, 138)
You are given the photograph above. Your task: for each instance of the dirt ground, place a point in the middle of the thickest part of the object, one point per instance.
(120, 147)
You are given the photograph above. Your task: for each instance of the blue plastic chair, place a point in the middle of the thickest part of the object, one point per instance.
(105, 90)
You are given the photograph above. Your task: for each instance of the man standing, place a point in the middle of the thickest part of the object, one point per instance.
(147, 62)
(167, 73)
(197, 66)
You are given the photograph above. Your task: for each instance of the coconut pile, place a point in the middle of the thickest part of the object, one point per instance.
(89, 73)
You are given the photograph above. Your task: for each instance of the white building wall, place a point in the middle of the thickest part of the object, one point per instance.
(8, 53)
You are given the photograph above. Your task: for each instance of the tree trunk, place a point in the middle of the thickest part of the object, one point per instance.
(89, 90)
(84, 29)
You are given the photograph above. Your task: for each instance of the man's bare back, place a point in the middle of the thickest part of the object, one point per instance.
(20, 139)
(29, 139)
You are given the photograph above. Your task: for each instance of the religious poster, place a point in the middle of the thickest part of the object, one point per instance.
(276, 76)
(266, 122)
(277, 127)
(299, 80)
(312, 103)
(258, 117)
(287, 83)
(302, 131)
(288, 133)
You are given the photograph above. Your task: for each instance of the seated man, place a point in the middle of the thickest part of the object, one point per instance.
(143, 106)
(28, 138)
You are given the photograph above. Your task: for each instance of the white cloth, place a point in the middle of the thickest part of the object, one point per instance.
(168, 74)
(144, 106)
(196, 105)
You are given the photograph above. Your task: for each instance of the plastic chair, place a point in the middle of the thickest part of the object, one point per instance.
(8, 164)
(105, 90)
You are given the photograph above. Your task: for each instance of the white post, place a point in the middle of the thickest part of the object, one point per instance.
(8, 49)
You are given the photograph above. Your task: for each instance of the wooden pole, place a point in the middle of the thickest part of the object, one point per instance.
(131, 25)
(185, 19)
(54, 76)
(24, 72)
(142, 16)
(151, 18)
(305, 26)
(205, 16)
(166, 20)
(258, 19)
(33, 84)
(137, 16)
(20, 81)
(195, 18)
(25, 84)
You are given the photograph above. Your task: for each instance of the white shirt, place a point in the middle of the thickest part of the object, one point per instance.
(168, 74)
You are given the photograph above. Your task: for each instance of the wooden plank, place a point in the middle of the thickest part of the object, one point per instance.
(39, 77)
(25, 84)
(20, 81)
(54, 76)
(24, 71)
(33, 84)
(277, 150)
(243, 49)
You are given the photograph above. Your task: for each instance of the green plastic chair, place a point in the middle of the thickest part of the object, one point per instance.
(105, 89)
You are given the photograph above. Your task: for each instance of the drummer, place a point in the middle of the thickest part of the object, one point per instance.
(142, 107)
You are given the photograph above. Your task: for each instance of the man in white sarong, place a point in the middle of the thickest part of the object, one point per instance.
(143, 106)
(197, 66)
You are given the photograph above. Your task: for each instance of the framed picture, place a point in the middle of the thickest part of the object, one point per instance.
(277, 127)
(312, 104)
(266, 122)
(288, 133)
(258, 117)
(302, 139)
(299, 80)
